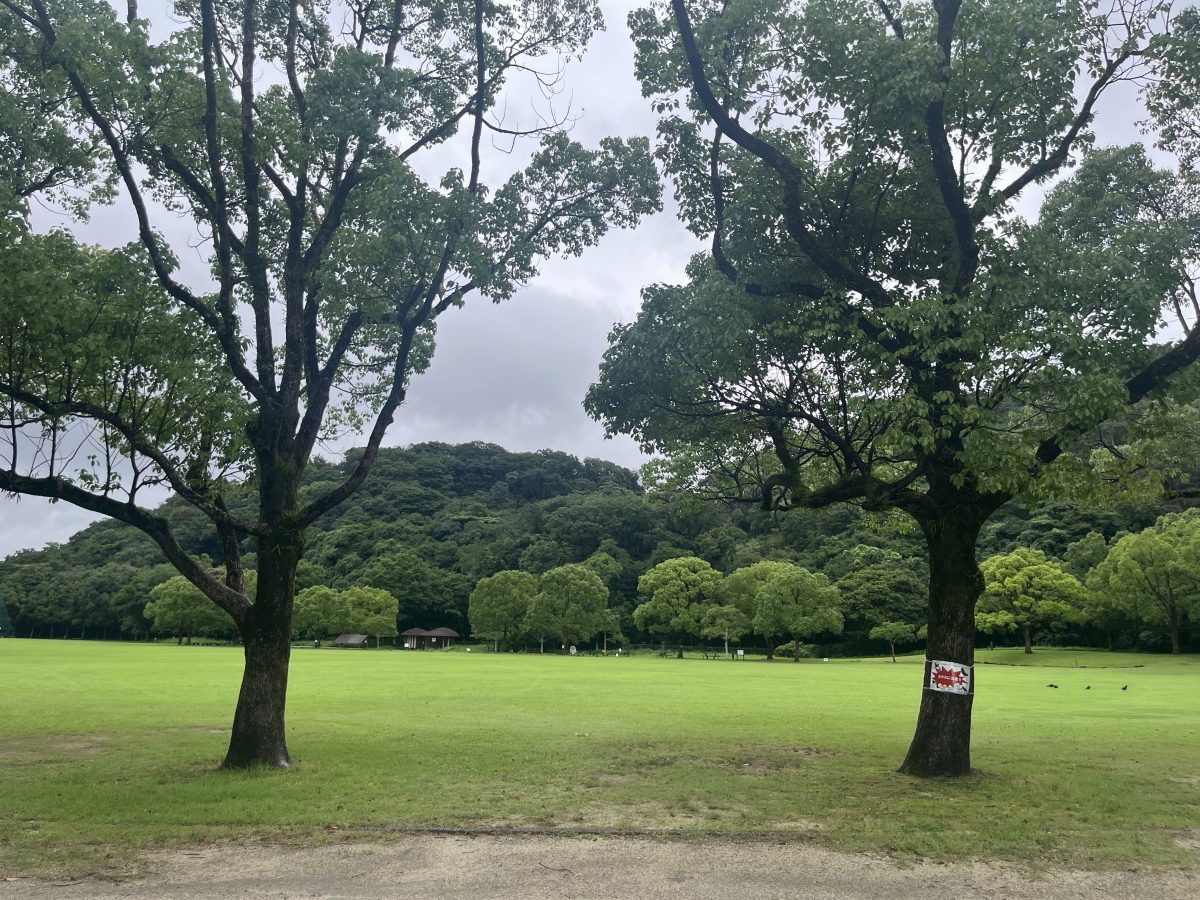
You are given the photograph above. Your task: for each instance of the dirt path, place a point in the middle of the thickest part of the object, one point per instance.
(531, 868)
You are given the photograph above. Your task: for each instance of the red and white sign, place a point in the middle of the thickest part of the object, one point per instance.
(950, 677)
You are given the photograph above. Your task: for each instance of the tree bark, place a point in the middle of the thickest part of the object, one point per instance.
(941, 745)
(1028, 639)
(258, 736)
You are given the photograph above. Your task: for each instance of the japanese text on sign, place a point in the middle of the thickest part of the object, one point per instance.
(951, 677)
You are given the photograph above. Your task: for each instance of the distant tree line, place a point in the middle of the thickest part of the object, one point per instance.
(542, 550)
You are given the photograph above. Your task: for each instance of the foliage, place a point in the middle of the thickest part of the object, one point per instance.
(1026, 590)
(322, 612)
(726, 622)
(432, 520)
(894, 633)
(1153, 576)
(178, 608)
(499, 604)
(676, 591)
(797, 603)
(1083, 555)
(570, 605)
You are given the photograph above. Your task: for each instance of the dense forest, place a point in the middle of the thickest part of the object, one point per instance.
(433, 520)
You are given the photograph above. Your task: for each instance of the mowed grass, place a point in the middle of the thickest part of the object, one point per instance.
(110, 748)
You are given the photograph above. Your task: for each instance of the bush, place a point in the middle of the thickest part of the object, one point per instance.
(788, 650)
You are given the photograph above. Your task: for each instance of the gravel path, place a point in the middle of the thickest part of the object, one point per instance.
(532, 868)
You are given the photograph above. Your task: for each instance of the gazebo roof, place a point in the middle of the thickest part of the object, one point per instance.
(415, 632)
(443, 632)
(351, 639)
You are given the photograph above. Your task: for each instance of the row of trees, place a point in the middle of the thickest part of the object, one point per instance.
(683, 598)
(568, 604)
(472, 521)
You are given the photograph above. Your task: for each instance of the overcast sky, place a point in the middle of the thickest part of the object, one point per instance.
(513, 374)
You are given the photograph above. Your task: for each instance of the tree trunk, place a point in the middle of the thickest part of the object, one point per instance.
(893, 645)
(941, 744)
(258, 737)
(1028, 639)
(795, 649)
(679, 651)
(1175, 650)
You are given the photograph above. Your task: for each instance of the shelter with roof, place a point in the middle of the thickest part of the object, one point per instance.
(351, 640)
(420, 639)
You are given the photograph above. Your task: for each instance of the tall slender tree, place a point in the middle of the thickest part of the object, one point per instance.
(289, 134)
(874, 323)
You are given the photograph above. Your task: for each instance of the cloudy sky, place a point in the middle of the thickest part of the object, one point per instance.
(515, 374)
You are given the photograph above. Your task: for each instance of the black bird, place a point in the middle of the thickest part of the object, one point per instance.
(1088, 688)
(1124, 687)
(1052, 685)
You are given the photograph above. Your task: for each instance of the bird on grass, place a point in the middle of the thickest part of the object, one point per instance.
(1088, 688)
(1124, 687)
(1052, 685)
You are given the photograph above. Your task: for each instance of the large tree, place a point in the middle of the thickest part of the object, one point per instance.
(1153, 577)
(677, 593)
(290, 134)
(499, 603)
(798, 603)
(571, 605)
(874, 323)
(176, 607)
(1024, 590)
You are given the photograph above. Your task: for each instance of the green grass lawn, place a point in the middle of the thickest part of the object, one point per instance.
(108, 748)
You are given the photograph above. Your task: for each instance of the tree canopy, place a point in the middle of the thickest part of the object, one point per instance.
(1153, 577)
(499, 603)
(1024, 590)
(676, 591)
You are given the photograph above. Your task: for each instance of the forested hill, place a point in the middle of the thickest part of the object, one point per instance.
(433, 519)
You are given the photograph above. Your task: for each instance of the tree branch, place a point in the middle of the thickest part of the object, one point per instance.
(233, 602)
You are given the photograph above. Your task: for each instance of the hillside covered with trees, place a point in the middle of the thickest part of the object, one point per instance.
(433, 521)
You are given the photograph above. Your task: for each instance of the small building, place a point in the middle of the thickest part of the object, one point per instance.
(441, 637)
(351, 640)
(420, 639)
(413, 638)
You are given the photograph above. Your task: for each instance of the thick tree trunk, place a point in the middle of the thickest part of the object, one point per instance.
(1028, 639)
(795, 650)
(942, 742)
(258, 737)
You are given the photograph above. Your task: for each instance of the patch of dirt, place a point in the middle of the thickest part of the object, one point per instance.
(544, 867)
(27, 750)
(1188, 840)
